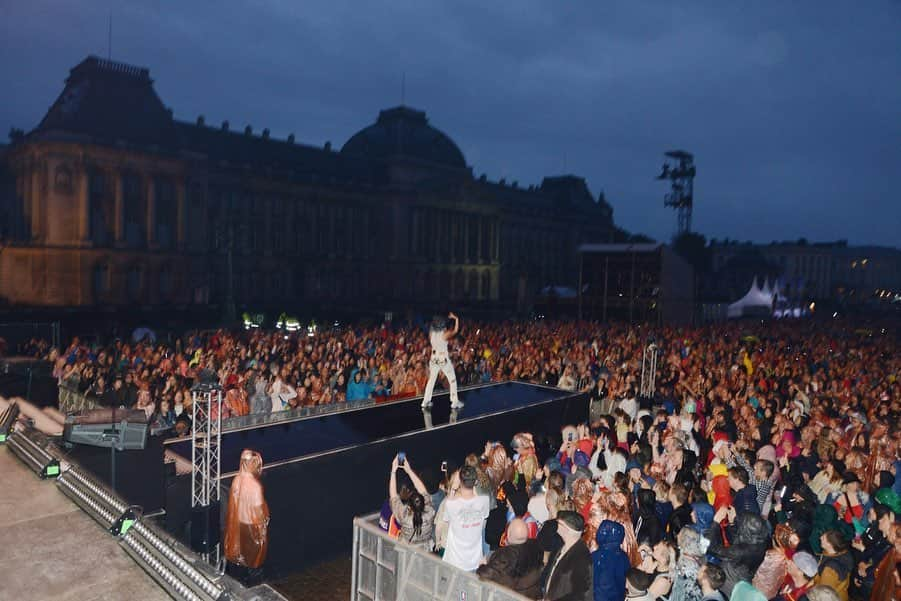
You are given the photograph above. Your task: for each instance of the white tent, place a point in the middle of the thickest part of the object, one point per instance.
(755, 302)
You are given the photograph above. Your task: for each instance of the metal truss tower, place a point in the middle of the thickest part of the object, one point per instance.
(679, 169)
(648, 371)
(205, 438)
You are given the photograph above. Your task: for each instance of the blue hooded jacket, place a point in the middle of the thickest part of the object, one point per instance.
(357, 391)
(703, 516)
(610, 563)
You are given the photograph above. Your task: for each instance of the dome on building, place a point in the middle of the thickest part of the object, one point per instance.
(402, 131)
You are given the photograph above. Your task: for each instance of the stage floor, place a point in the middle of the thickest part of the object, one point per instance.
(53, 550)
(321, 471)
(351, 426)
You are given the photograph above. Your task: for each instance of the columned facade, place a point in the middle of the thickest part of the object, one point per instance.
(147, 215)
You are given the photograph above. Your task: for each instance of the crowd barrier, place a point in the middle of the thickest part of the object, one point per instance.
(259, 419)
(71, 400)
(385, 569)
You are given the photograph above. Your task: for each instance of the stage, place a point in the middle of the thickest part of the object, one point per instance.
(286, 440)
(321, 471)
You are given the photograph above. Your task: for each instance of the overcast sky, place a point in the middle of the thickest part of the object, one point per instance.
(792, 109)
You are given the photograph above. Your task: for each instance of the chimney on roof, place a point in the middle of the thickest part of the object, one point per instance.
(483, 178)
(201, 121)
(328, 146)
(502, 181)
(266, 134)
(515, 185)
(225, 125)
(248, 131)
(290, 138)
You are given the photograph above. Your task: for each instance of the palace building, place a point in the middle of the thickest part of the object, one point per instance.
(111, 202)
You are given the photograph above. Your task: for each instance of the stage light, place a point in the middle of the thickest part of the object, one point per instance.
(33, 454)
(7, 420)
(122, 525)
(167, 564)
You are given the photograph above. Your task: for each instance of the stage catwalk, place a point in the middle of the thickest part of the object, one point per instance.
(321, 471)
(353, 426)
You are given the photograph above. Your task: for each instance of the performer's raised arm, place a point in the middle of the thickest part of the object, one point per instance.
(452, 333)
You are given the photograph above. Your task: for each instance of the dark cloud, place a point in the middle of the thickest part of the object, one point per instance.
(793, 110)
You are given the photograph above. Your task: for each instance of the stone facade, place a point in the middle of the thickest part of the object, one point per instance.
(110, 201)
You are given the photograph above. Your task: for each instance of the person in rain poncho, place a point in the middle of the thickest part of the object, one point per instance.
(247, 517)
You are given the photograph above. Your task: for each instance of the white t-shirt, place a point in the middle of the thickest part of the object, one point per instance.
(630, 406)
(465, 533)
(439, 343)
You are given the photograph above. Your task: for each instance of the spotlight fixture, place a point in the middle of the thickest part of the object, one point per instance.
(8, 419)
(122, 525)
(33, 454)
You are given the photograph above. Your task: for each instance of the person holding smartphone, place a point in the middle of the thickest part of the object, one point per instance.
(415, 516)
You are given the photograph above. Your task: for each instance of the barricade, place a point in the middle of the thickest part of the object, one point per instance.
(71, 400)
(385, 569)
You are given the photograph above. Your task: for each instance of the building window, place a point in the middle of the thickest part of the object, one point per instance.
(459, 284)
(166, 213)
(103, 209)
(100, 281)
(134, 205)
(167, 286)
(134, 282)
(486, 285)
(276, 284)
(473, 240)
(62, 180)
(472, 290)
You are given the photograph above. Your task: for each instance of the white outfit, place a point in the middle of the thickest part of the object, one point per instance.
(630, 406)
(466, 531)
(615, 463)
(281, 394)
(440, 362)
(567, 382)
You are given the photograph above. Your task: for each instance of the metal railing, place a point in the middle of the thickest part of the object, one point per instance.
(261, 419)
(72, 400)
(385, 569)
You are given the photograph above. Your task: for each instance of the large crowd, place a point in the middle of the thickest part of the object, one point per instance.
(270, 371)
(763, 466)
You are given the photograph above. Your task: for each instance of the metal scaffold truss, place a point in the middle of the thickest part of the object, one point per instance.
(648, 371)
(206, 436)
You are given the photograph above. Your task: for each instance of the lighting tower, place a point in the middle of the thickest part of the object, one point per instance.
(205, 438)
(679, 169)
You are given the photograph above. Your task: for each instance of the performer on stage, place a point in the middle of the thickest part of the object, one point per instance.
(247, 521)
(440, 361)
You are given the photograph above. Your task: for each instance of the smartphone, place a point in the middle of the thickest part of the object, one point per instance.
(401, 458)
(444, 466)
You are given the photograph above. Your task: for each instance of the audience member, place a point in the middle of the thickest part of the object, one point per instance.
(568, 575)
(517, 565)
